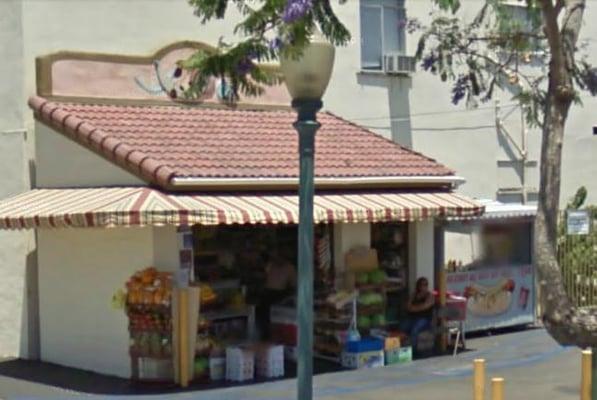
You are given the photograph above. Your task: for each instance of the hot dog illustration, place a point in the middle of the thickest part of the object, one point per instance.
(487, 301)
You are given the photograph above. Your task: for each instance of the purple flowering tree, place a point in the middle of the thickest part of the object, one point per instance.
(267, 28)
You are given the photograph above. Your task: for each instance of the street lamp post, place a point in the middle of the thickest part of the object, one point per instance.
(306, 79)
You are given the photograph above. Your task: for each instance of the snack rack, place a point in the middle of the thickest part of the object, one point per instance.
(334, 316)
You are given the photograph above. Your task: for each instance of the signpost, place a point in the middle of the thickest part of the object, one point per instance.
(578, 222)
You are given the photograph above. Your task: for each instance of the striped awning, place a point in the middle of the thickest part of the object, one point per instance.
(141, 206)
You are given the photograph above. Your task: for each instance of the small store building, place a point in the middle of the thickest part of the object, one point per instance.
(125, 182)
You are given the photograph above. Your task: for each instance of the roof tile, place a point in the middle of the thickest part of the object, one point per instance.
(162, 142)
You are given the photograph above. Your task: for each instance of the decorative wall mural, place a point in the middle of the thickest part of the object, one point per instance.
(129, 77)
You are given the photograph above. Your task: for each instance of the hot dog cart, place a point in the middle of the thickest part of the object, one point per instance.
(488, 260)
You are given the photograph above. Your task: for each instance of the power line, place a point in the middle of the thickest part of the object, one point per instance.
(387, 118)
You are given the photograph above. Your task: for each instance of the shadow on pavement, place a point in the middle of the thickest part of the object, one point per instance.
(73, 379)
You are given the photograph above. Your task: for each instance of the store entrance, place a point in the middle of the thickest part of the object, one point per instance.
(247, 276)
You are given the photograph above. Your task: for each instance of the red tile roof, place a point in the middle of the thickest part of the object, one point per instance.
(163, 142)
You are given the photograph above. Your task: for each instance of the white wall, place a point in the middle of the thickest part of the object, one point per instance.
(80, 269)
(17, 264)
(61, 162)
(421, 256)
(467, 140)
(462, 243)
(165, 249)
(347, 236)
(17, 261)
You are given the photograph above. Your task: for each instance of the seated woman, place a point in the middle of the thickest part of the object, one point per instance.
(420, 312)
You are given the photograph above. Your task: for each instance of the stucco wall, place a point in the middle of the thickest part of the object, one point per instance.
(17, 260)
(467, 139)
(421, 257)
(80, 269)
(63, 163)
(17, 271)
(165, 249)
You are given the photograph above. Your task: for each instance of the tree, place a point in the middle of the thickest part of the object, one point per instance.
(491, 51)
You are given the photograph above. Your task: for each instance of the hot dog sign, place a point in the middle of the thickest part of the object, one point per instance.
(496, 297)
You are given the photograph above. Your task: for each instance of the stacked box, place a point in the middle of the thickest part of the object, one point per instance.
(392, 343)
(217, 368)
(399, 356)
(240, 364)
(291, 353)
(269, 361)
(367, 359)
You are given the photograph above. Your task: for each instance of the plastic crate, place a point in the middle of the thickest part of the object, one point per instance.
(398, 356)
(240, 364)
(369, 359)
(364, 345)
(217, 368)
(284, 333)
(456, 308)
(269, 361)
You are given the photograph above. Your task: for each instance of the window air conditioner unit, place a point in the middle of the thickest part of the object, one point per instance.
(395, 63)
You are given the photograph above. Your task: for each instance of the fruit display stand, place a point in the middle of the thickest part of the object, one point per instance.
(372, 300)
(149, 311)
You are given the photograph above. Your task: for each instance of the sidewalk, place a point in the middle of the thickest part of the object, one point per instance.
(534, 367)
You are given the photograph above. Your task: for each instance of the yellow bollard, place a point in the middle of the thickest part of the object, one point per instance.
(478, 379)
(585, 377)
(497, 389)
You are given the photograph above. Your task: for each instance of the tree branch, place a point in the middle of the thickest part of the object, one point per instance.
(558, 7)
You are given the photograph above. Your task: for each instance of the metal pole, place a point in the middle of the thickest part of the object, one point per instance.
(307, 126)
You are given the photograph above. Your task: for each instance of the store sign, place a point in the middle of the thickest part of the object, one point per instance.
(185, 255)
(578, 222)
(496, 297)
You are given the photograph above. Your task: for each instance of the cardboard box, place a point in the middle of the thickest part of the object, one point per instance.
(392, 343)
(369, 359)
(398, 356)
(361, 260)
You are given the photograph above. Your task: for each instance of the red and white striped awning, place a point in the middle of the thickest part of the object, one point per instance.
(141, 206)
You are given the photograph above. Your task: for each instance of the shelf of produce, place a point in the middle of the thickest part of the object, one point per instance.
(341, 320)
(225, 284)
(134, 330)
(137, 354)
(247, 311)
(326, 357)
(370, 310)
(228, 313)
(149, 308)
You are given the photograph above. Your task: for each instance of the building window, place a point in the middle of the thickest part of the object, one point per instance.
(382, 31)
(523, 19)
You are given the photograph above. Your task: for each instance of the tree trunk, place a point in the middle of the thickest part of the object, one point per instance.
(566, 323)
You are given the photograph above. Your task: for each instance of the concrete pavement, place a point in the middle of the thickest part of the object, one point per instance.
(533, 365)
